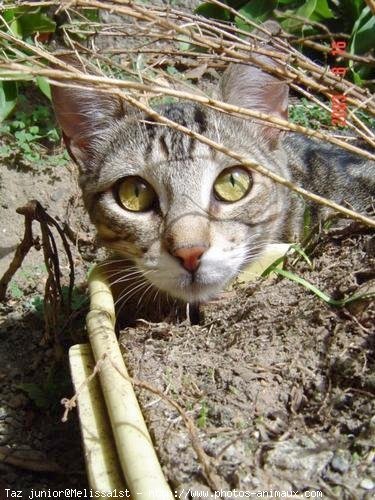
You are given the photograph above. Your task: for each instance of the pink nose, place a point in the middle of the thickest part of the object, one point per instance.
(190, 257)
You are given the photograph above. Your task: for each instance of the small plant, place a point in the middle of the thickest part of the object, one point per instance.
(24, 23)
(47, 394)
(79, 300)
(28, 129)
(15, 291)
(309, 114)
(29, 134)
(275, 268)
(203, 415)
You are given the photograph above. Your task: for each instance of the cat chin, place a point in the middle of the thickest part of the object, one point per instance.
(194, 292)
(203, 294)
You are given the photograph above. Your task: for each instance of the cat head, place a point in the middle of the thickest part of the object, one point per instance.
(187, 216)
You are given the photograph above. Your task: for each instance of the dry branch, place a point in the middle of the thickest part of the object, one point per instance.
(21, 251)
(371, 5)
(13, 70)
(53, 296)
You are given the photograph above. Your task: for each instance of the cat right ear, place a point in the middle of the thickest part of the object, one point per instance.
(249, 86)
(84, 116)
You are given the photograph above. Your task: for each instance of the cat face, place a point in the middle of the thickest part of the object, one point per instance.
(185, 215)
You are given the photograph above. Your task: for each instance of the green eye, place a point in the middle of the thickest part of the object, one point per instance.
(135, 194)
(233, 184)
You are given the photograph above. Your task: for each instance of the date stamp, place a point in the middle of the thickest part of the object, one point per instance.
(338, 101)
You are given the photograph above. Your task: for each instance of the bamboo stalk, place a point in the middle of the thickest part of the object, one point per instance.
(103, 470)
(137, 456)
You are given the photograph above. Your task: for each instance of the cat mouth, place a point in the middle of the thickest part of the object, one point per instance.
(191, 288)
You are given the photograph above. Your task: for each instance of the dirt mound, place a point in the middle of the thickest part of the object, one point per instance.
(278, 384)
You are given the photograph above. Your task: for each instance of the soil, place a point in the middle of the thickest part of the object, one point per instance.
(279, 385)
(34, 376)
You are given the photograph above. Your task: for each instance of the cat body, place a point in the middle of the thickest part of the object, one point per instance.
(329, 171)
(184, 217)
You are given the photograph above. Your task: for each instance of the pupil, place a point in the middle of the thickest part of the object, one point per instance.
(232, 180)
(136, 191)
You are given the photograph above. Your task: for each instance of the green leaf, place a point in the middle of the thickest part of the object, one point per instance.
(92, 15)
(8, 15)
(171, 70)
(44, 86)
(306, 10)
(36, 23)
(37, 394)
(357, 78)
(203, 415)
(5, 151)
(15, 291)
(271, 268)
(322, 10)
(8, 98)
(16, 28)
(184, 43)
(256, 10)
(323, 296)
(213, 11)
(363, 37)
(301, 251)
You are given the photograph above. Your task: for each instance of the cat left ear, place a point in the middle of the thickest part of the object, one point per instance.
(249, 86)
(84, 116)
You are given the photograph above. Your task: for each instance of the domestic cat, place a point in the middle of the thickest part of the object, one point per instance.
(185, 218)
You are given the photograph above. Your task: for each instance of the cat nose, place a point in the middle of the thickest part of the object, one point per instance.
(189, 256)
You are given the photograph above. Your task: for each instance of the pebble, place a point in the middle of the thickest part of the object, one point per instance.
(367, 484)
(57, 195)
(340, 463)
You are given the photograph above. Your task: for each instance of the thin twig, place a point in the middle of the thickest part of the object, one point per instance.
(21, 251)
(12, 70)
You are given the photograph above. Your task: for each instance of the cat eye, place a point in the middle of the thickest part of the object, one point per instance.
(135, 194)
(232, 184)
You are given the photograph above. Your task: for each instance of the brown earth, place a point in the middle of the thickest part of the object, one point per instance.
(278, 384)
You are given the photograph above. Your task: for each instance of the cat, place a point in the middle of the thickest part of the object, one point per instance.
(185, 218)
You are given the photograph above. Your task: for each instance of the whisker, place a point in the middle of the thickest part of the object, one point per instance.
(123, 277)
(126, 278)
(150, 296)
(130, 294)
(123, 272)
(110, 262)
(130, 291)
(143, 294)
